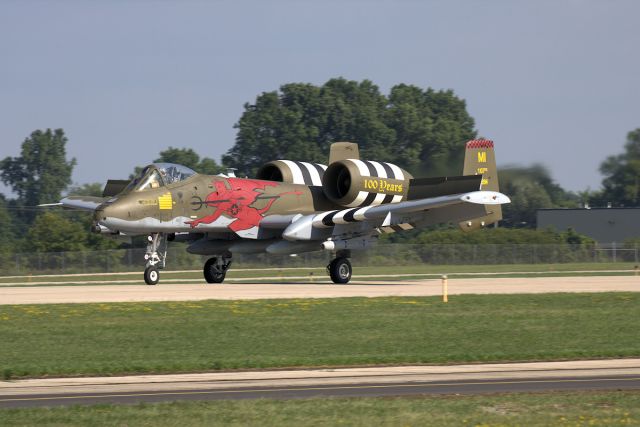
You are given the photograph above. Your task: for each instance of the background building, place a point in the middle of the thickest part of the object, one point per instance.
(605, 225)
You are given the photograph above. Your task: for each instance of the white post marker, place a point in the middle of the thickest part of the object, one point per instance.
(445, 290)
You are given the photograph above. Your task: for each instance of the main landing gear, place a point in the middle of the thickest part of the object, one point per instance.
(155, 256)
(215, 269)
(340, 268)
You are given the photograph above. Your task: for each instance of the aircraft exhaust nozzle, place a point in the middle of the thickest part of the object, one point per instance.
(292, 172)
(355, 183)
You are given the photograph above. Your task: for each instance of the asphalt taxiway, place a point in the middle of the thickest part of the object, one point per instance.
(619, 374)
(415, 288)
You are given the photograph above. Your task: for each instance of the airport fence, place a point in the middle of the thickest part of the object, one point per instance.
(381, 255)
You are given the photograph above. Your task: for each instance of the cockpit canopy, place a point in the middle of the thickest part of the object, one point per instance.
(158, 175)
(171, 172)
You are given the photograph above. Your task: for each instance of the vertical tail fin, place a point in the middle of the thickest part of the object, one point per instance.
(342, 151)
(480, 159)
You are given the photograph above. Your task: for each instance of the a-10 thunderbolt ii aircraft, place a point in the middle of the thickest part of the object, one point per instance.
(291, 207)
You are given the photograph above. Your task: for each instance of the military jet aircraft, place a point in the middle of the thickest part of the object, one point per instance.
(291, 207)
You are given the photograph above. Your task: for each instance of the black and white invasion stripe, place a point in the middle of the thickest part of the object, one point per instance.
(345, 216)
(305, 173)
(332, 218)
(369, 168)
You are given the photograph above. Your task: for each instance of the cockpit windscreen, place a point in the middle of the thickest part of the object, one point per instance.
(172, 172)
(158, 175)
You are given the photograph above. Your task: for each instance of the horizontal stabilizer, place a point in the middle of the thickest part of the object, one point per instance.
(342, 151)
(424, 188)
(114, 187)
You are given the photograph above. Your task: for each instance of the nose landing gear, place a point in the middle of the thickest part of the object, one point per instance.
(155, 256)
(215, 269)
(151, 275)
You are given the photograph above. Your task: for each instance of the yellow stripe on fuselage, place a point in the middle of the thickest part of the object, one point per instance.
(165, 201)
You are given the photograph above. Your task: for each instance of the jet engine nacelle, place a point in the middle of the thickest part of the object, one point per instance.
(352, 183)
(292, 172)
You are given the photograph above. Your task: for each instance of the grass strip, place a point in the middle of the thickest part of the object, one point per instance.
(163, 337)
(564, 409)
(320, 271)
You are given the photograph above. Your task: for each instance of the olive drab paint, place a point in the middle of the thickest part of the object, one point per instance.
(480, 160)
(292, 207)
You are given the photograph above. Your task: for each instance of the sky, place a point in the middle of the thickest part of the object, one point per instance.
(555, 82)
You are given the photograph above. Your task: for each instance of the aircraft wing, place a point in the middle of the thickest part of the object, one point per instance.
(360, 221)
(84, 203)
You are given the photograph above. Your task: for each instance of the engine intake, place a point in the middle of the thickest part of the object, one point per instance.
(354, 183)
(292, 172)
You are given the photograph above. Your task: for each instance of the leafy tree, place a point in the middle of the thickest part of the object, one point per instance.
(430, 127)
(52, 232)
(92, 241)
(209, 166)
(6, 228)
(186, 157)
(621, 184)
(531, 188)
(189, 158)
(526, 199)
(572, 237)
(420, 130)
(41, 172)
(275, 128)
(539, 174)
(94, 189)
(355, 112)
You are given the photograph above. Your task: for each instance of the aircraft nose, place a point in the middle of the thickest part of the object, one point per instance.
(103, 221)
(103, 213)
(98, 214)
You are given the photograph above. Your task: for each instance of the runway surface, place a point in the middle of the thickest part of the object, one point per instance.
(379, 381)
(202, 291)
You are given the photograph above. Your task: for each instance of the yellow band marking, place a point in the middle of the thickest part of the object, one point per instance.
(165, 201)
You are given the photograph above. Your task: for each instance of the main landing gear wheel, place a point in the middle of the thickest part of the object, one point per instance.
(151, 275)
(215, 269)
(340, 270)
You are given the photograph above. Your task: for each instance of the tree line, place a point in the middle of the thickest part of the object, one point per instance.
(420, 130)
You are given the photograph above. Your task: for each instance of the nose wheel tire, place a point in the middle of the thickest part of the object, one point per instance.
(213, 273)
(340, 270)
(151, 275)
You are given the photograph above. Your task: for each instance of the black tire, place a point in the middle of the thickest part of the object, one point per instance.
(151, 275)
(211, 273)
(340, 270)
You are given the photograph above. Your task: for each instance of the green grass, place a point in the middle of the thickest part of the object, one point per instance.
(562, 409)
(107, 339)
(319, 273)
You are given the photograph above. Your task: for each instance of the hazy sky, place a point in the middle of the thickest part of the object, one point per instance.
(555, 82)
